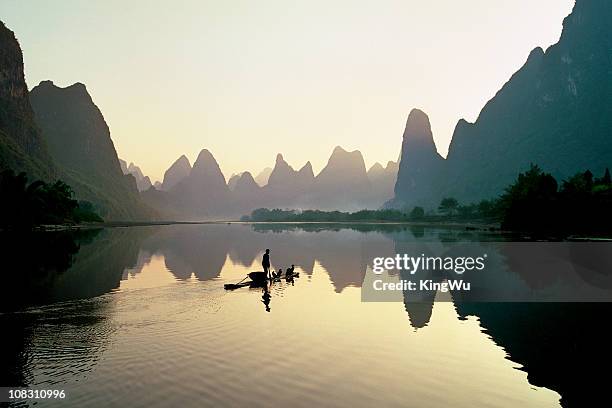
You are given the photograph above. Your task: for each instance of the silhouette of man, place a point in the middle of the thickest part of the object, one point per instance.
(265, 263)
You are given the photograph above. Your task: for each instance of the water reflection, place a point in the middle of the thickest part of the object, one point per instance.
(201, 252)
(179, 271)
(565, 347)
(266, 297)
(45, 268)
(33, 261)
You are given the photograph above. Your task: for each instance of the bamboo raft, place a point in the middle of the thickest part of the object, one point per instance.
(258, 279)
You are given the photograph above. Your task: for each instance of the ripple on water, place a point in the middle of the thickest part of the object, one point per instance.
(189, 343)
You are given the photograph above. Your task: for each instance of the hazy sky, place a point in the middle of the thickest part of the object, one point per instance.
(249, 79)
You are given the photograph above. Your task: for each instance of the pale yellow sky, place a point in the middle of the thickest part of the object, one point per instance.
(249, 79)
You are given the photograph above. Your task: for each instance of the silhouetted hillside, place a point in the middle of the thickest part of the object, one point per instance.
(143, 182)
(22, 147)
(420, 164)
(263, 176)
(80, 143)
(554, 112)
(177, 172)
(201, 192)
(383, 181)
(204, 192)
(343, 182)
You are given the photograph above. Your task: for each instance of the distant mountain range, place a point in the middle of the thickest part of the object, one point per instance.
(556, 112)
(60, 132)
(142, 182)
(202, 192)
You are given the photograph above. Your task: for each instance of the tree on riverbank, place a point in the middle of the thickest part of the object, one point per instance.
(448, 206)
(534, 202)
(25, 205)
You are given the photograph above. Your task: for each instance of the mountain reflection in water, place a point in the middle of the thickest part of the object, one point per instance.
(83, 308)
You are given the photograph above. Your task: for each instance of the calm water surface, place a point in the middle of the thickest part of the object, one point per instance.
(139, 317)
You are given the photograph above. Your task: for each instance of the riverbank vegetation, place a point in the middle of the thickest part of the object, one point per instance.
(534, 202)
(26, 205)
(417, 214)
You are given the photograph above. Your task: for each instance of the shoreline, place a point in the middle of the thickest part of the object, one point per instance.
(124, 224)
(465, 226)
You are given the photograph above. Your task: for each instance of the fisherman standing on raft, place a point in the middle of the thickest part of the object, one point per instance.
(265, 263)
